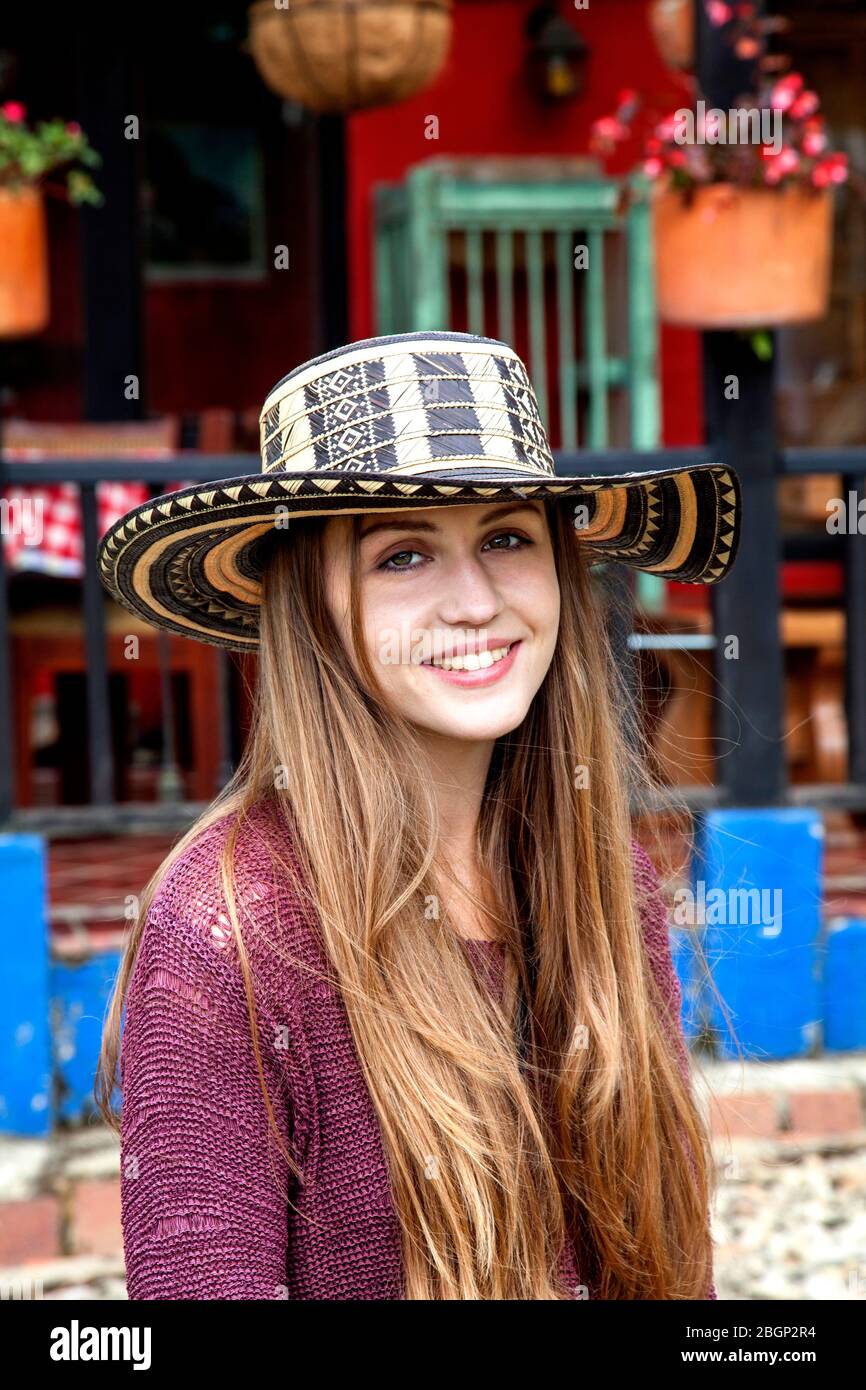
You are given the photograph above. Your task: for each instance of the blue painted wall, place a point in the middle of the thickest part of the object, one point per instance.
(759, 872)
(25, 1052)
(844, 985)
(79, 996)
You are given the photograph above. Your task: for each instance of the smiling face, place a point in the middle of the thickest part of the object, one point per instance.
(474, 583)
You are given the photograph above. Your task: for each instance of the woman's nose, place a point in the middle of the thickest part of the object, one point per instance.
(468, 593)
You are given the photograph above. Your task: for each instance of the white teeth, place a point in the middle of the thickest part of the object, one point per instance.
(472, 661)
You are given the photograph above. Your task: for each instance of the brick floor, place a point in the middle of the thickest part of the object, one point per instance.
(824, 1112)
(95, 1224)
(754, 1116)
(30, 1230)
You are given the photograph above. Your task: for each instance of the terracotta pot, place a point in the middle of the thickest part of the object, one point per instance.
(23, 263)
(743, 258)
(673, 27)
(344, 55)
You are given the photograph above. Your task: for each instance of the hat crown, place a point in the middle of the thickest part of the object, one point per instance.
(427, 402)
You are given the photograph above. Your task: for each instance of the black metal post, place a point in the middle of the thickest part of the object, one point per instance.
(331, 232)
(746, 605)
(98, 705)
(740, 429)
(170, 784)
(224, 718)
(112, 112)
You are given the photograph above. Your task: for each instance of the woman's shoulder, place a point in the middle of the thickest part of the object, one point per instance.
(188, 918)
(190, 883)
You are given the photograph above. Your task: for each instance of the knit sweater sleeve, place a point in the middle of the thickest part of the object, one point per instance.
(654, 919)
(201, 1175)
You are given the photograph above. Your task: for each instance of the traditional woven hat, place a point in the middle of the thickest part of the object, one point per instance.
(401, 421)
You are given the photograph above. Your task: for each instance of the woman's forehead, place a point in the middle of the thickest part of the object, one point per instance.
(437, 518)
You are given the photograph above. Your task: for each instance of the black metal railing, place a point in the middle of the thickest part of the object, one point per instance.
(748, 703)
(102, 813)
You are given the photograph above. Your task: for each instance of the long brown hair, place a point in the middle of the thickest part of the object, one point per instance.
(498, 1154)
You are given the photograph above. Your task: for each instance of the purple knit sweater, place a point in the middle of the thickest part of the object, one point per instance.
(201, 1177)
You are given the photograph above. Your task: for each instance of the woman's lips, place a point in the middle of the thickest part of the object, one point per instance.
(486, 675)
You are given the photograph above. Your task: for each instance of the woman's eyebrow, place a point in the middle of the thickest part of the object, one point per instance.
(397, 525)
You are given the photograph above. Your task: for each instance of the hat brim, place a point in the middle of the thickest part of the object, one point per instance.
(187, 561)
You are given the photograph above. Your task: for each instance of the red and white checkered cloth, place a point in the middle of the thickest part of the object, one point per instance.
(41, 527)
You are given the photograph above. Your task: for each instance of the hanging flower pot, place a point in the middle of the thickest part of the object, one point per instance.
(742, 203)
(673, 27)
(734, 257)
(344, 55)
(26, 156)
(23, 263)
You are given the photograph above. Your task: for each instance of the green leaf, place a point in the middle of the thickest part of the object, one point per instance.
(762, 344)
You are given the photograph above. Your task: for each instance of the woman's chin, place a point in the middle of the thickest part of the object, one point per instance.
(472, 726)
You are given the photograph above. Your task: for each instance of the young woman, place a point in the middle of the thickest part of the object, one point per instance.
(401, 1017)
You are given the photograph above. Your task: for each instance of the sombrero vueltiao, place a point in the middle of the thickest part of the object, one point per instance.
(406, 420)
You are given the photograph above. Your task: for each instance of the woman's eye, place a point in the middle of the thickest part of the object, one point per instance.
(390, 566)
(510, 535)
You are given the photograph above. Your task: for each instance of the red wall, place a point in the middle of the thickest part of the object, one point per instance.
(485, 107)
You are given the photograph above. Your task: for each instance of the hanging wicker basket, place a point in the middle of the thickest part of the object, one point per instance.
(344, 55)
(732, 257)
(23, 262)
(673, 27)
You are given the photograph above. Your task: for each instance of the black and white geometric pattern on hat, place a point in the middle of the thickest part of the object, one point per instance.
(414, 412)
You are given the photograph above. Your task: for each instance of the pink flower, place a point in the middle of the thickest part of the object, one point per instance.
(786, 91)
(652, 167)
(667, 128)
(13, 111)
(833, 169)
(814, 140)
(718, 13)
(776, 166)
(807, 104)
(608, 129)
(839, 172)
